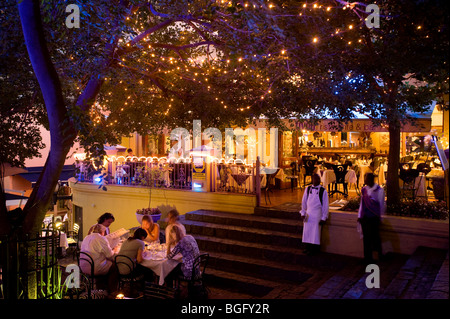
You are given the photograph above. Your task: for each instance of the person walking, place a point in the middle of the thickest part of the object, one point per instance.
(314, 213)
(369, 216)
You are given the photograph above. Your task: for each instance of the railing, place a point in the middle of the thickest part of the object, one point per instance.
(235, 178)
(151, 172)
(225, 176)
(30, 263)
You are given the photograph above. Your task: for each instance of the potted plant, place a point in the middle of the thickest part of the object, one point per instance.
(155, 214)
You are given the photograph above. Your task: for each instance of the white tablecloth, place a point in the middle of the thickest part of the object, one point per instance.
(381, 178)
(327, 177)
(420, 185)
(160, 265)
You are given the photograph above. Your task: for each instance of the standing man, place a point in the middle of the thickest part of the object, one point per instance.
(314, 214)
(369, 216)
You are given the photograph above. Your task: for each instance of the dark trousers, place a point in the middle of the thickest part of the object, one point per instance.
(372, 240)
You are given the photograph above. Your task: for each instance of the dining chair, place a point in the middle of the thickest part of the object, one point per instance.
(196, 285)
(93, 279)
(73, 240)
(155, 291)
(309, 166)
(294, 176)
(408, 176)
(129, 276)
(340, 171)
(269, 186)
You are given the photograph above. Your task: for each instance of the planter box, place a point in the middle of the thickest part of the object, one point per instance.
(155, 217)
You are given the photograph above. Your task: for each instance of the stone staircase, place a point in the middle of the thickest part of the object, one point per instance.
(258, 251)
(422, 275)
(261, 255)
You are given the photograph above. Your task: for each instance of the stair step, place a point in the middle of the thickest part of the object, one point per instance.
(241, 286)
(265, 269)
(277, 213)
(245, 234)
(252, 221)
(416, 277)
(440, 287)
(254, 250)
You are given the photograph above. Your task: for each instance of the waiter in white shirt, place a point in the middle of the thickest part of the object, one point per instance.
(369, 216)
(314, 213)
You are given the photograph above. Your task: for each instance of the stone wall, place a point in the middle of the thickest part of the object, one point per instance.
(398, 234)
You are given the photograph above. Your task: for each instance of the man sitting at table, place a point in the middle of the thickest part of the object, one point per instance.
(314, 213)
(106, 220)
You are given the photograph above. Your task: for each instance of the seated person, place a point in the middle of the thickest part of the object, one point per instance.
(106, 220)
(133, 248)
(173, 219)
(151, 228)
(187, 247)
(97, 246)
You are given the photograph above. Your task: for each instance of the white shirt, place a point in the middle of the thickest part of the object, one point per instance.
(377, 195)
(98, 248)
(313, 202)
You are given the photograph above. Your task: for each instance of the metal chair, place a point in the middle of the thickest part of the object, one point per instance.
(73, 240)
(293, 177)
(155, 291)
(196, 281)
(269, 186)
(408, 176)
(340, 171)
(91, 276)
(130, 276)
(309, 166)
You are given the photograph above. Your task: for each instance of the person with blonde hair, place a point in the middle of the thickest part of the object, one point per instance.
(173, 219)
(151, 228)
(185, 245)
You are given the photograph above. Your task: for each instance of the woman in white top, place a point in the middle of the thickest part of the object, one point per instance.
(97, 246)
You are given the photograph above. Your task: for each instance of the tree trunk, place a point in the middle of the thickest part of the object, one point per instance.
(392, 181)
(62, 133)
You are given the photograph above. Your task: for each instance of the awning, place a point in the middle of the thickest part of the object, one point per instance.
(15, 200)
(11, 170)
(33, 173)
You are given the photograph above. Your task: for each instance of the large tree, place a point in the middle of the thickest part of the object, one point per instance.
(326, 57)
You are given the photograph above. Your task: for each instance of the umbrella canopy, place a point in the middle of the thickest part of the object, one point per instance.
(8, 170)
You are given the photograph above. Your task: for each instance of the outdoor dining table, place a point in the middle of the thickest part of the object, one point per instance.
(328, 177)
(155, 259)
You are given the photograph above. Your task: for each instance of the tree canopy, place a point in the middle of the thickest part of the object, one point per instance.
(139, 66)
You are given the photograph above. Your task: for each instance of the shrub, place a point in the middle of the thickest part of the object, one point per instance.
(420, 208)
(352, 204)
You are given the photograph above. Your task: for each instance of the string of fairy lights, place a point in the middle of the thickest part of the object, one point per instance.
(154, 64)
